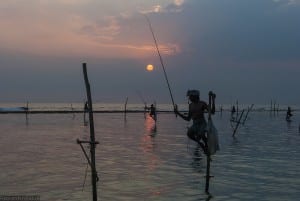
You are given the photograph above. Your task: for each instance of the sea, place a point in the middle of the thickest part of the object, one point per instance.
(140, 159)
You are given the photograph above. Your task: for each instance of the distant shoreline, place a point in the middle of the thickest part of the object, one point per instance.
(75, 111)
(117, 111)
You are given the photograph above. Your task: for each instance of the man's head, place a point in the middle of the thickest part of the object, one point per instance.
(193, 95)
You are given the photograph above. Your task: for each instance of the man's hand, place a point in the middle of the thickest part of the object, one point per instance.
(176, 109)
(213, 95)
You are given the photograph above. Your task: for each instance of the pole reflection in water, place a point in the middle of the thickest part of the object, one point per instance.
(197, 162)
(148, 143)
(150, 126)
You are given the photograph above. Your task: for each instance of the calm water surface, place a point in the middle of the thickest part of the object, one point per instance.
(140, 160)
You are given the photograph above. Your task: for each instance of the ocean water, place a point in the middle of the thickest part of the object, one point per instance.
(137, 159)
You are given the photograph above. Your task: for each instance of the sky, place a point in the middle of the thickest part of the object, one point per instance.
(245, 50)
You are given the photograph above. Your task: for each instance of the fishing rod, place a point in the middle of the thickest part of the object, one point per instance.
(141, 97)
(161, 60)
(143, 100)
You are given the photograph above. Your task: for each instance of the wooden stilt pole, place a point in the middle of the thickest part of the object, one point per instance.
(85, 111)
(207, 173)
(249, 109)
(72, 109)
(208, 158)
(92, 133)
(125, 108)
(26, 112)
(238, 123)
(271, 106)
(237, 110)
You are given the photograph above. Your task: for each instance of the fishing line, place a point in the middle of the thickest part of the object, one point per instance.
(161, 60)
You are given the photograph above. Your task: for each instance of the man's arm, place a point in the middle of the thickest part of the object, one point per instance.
(187, 118)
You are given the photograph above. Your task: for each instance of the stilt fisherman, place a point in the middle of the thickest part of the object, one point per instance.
(288, 114)
(152, 111)
(197, 108)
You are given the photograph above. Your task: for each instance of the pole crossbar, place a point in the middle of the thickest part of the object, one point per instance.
(86, 142)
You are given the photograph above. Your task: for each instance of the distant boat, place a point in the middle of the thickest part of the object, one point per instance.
(13, 109)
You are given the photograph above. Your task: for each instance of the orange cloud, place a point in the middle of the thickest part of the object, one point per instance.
(48, 31)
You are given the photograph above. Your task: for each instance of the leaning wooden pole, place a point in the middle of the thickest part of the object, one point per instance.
(237, 124)
(92, 132)
(237, 110)
(249, 109)
(125, 106)
(26, 112)
(208, 159)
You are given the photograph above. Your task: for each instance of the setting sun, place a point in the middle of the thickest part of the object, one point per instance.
(150, 67)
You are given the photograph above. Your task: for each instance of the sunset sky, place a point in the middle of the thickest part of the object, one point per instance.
(241, 49)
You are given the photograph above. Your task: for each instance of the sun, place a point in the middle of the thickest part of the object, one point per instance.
(150, 67)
